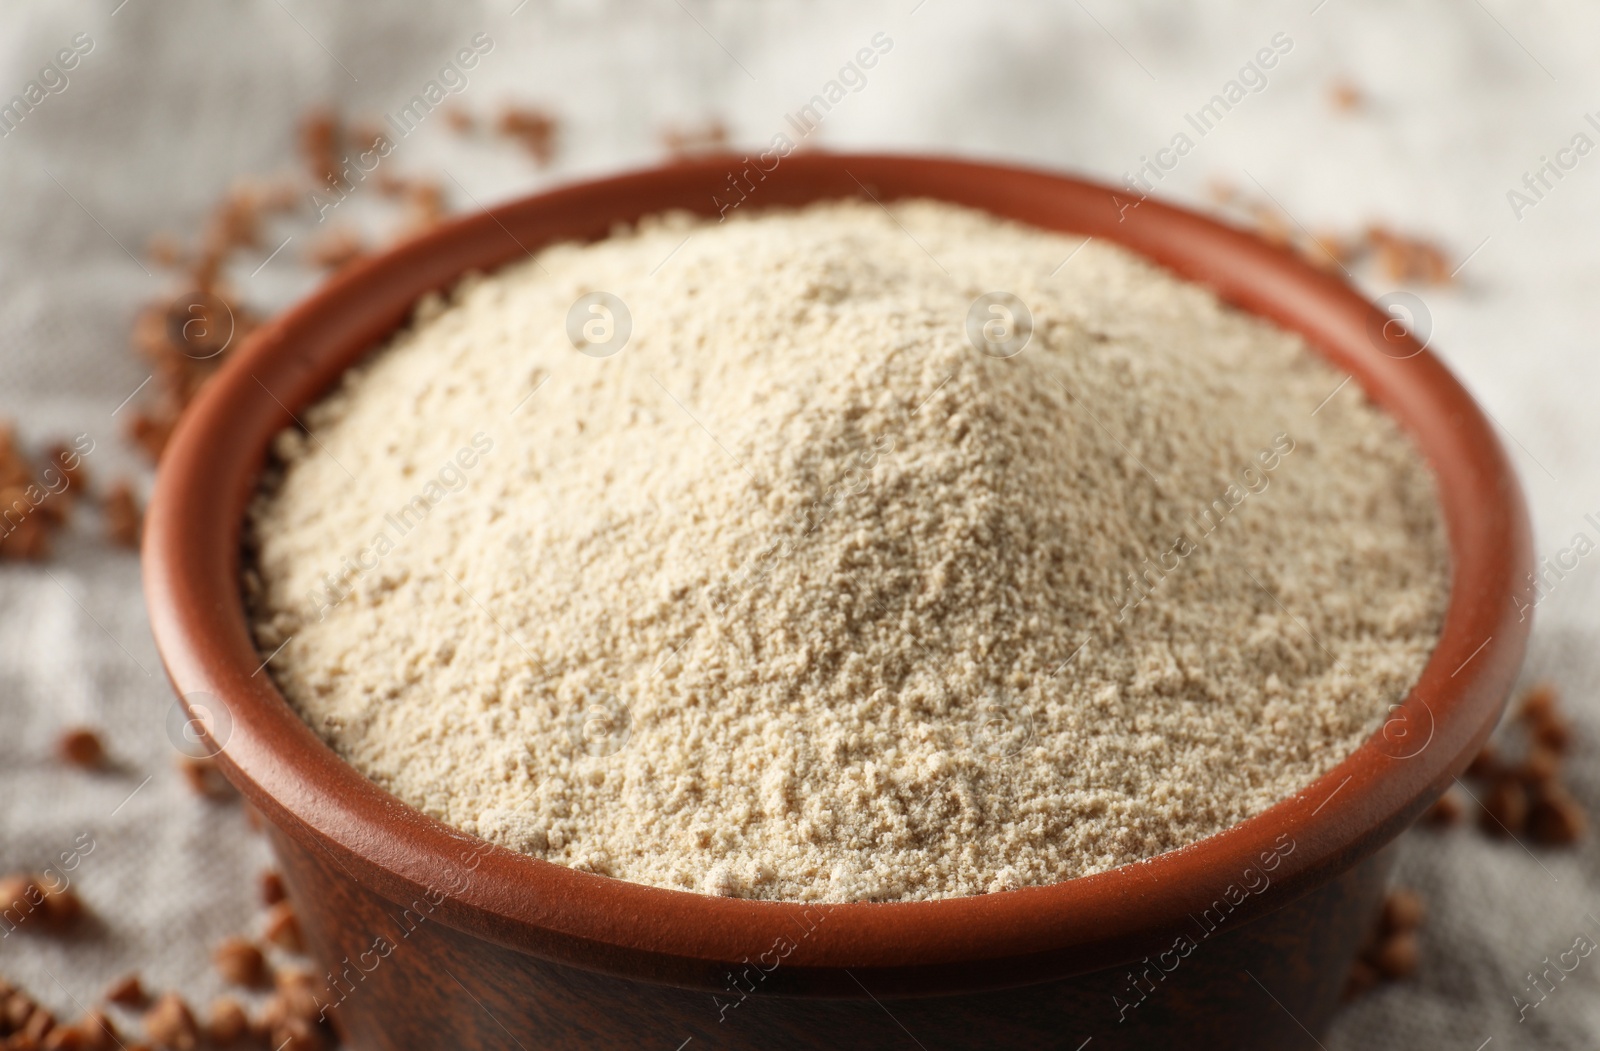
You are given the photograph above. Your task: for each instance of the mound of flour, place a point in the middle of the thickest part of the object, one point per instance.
(819, 588)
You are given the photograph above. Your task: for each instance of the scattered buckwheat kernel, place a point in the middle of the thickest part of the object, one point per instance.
(683, 143)
(1397, 955)
(1446, 810)
(336, 248)
(123, 520)
(1271, 226)
(227, 1022)
(1362, 978)
(81, 747)
(20, 894)
(169, 1022)
(1540, 763)
(62, 906)
(272, 890)
(100, 1033)
(534, 128)
(164, 250)
(1555, 818)
(127, 991)
(205, 779)
(65, 1038)
(240, 962)
(1390, 949)
(1539, 703)
(1553, 732)
(16, 1010)
(1487, 762)
(320, 136)
(1345, 96)
(1403, 910)
(39, 1025)
(69, 462)
(1505, 807)
(296, 1034)
(283, 928)
(296, 991)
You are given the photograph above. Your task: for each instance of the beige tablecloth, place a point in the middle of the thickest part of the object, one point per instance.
(165, 103)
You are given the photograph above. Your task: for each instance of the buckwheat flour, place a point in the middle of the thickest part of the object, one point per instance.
(801, 594)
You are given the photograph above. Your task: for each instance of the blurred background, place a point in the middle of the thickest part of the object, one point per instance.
(172, 173)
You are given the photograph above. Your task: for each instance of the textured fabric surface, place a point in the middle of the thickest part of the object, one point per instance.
(174, 100)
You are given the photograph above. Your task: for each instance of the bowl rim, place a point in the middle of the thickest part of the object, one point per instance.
(192, 565)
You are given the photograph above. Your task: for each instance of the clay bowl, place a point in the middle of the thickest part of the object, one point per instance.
(434, 939)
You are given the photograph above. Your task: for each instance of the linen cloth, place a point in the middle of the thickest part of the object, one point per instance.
(174, 100)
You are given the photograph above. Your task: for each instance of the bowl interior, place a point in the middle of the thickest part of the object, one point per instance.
(210, 469)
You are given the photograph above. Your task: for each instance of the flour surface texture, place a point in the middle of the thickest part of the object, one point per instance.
(807, 592)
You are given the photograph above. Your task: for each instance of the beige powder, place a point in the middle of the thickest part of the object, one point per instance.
(801, 596)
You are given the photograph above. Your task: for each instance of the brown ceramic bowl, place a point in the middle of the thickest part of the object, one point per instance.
(434, 939)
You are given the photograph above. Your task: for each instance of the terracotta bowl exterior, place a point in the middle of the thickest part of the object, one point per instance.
(433, 938)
